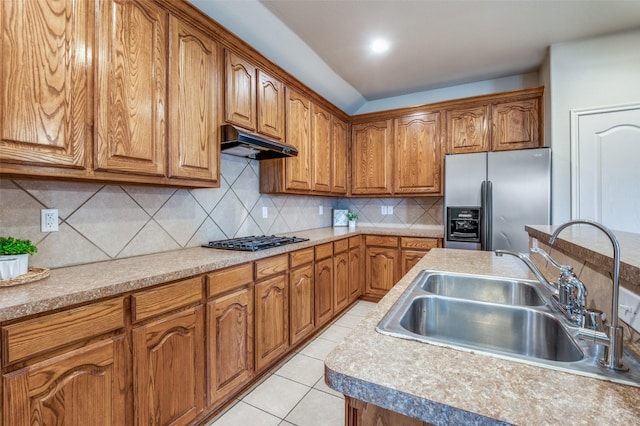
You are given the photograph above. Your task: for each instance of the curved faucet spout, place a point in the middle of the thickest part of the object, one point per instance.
(532, 267)
(613, 353)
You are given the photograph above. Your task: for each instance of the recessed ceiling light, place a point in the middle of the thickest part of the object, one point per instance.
(379, 45)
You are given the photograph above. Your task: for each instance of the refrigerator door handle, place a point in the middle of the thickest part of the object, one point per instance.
(483, 219)
(489, 216)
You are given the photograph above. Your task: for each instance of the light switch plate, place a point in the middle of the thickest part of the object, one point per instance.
(629, 308)
(389, 209)
(265, 212)
(320, 210)
(383, 210)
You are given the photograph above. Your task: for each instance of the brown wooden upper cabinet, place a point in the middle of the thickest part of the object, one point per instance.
(131, 88)
(298, 131)
(468, 129)
(371, 157)
(515, 125)
(321, 149)
(339, 148)
(49, 130)
(194, 149)
(417, 165)
(498, 123)
(253, 99)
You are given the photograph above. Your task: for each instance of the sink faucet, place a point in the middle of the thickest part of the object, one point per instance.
(613, 347)
(532, 267)
(564, 297)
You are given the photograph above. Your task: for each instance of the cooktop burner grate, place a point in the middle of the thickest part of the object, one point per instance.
(254, 243)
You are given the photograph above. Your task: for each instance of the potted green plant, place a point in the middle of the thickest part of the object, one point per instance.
(14, 257)
(352, 217)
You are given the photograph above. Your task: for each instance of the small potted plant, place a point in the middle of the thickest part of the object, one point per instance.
(352, 217)
(14, 257)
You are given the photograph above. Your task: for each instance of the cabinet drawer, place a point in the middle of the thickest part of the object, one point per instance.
(324, 251)
(271, 266)
(340, 246)
(219, 282)
(382, 241)
(354, 242)
(166, 298)
(31, 337)
(419, 243)
(300, 257)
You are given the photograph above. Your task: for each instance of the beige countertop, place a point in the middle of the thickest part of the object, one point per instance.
(448, 386)
(591, 244)
(79, 284)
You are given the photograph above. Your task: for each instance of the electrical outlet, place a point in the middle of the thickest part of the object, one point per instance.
(383, 210)
(629, 308)
(320, 210)
(389, 209)
(48, 220)
(265, 212)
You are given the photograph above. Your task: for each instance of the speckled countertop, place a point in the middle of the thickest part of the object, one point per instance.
(79, 284)
(447, 386)
(591, 244)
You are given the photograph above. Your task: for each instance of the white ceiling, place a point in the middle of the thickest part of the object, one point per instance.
(435, 43)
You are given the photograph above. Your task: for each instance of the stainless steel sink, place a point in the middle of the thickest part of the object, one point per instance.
(486, 289)
(510, 319)
(506, 329)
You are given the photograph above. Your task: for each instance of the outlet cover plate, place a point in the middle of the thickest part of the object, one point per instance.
(48, 220)
(629, 308)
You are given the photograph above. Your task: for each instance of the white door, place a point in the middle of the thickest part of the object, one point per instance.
(605, 172)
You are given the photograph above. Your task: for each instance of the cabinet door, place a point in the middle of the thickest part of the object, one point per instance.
(338, 156)
(270, 106)
(409, 259)
(417, 167)
(298, 169)
(320, 149)
(301, 303)
(516, 125)
(230, 354)
(467, 130)
(44, 66)
(83, 387)
(340, 281)
(371, 157)
(324, 290)
(131, 88)
(168, 369)
(381, 270)
(272, 320)
(240, 91)
(193, 128)
(355, 273)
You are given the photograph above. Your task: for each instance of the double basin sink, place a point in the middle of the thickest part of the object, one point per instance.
(501, 317)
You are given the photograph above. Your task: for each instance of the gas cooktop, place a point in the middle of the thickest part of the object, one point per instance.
(254, 243)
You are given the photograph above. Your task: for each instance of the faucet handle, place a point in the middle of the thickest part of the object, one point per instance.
(559, 266)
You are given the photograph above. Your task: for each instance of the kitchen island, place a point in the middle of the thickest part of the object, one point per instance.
(441, 385)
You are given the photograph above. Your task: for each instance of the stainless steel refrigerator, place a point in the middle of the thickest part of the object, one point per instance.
(490, 197)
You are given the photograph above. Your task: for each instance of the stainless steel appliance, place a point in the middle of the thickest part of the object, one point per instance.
(242, 143)
(505, 189)
(254, 243)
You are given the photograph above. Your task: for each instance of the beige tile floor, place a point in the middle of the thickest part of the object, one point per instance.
(294, 392)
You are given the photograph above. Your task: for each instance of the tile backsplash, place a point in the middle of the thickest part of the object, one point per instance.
(101, 222)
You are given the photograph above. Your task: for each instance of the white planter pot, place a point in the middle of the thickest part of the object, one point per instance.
(352, 224)
(12, 266)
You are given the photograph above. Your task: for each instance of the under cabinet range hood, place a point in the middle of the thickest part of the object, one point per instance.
(242, 143)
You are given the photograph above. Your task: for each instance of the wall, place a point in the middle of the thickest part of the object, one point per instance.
(505, 84)
(101, 222)
(603, 71)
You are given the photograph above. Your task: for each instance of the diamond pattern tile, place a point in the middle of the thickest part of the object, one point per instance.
(181, 216)
(19, 213)
(229, 214)
(67, 201)
(110, 219)
(151, 239)
(246, 188)
(149, 198)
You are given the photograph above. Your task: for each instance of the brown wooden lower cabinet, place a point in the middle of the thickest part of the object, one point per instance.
(168, 366)
(230, 331)
(85, 386)
(301, 303)
(360, 413)
(355, 273)
(381, 265)
(340, 281)
(324, 290)
(271, 320)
